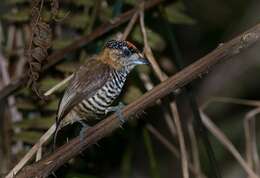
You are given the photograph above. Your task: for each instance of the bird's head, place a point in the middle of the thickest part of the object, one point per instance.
(120, 54)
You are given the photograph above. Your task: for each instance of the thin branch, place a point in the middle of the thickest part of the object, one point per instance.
(228, 144)
(148, 52)
(93, 16)
(184, 156)
(173, 149)
(56, 87)
(37, 148)
(158, 72)
(32, 152)
(168, 118)
(252, 156)
(245, 102)
(50, 131)
(130, 26)
(57, 56)
(105, 127)
(194, 146)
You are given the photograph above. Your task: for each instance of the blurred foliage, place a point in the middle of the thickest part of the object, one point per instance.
(152, 159)
(176, 14)
(118, 155)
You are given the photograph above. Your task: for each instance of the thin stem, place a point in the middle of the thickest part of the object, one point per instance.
(52, 162)
(162, 77)
(252, 156)
(173, 149)
(228, 144)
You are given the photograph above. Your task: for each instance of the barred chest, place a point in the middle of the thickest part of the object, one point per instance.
(104, 96)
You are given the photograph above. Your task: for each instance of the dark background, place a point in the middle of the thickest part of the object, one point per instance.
(199, 26)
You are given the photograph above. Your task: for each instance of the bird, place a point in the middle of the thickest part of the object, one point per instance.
(97, 83)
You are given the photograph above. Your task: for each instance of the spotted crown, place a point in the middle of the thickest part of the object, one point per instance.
(119, 44)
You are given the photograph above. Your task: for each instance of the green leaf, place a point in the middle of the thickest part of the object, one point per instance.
(15, 2)
(61, 43)
(25, 104)
(68, 67)
(48, 83)
(155, 41)
(175, 14)
(126, 164)
(106, 14)
(24, 91)
(37, 123)
(78, 21)
(83, 2)
(30, 137)
(155, 173)
(132, 93)
(130, 2)
(18, 16)
(52, 106)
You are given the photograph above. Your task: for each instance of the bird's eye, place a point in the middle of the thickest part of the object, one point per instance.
(126, 52)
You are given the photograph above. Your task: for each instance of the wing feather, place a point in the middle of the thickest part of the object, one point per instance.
(86, 81)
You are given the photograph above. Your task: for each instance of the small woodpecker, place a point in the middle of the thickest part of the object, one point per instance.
(97, 83)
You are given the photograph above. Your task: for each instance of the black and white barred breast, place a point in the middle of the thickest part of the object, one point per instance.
(103, 98)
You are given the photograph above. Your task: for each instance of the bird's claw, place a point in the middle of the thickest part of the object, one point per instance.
(118, 111)
(83, 130)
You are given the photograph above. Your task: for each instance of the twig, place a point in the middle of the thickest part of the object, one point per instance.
(130, 26)
(56, 87)
(148, 51)
(176, 118)
(188, 92)
(194, 146)
(39, 153)
(158, 72)
(27, 157)
(38, 146)
(252, 156)
(227, 143)
(93, 16)
(154, 169)
(173, 149)
(168, 118)
(57, 56)
(105, 127)
(184, 156)
(31, 153)
(252, 103)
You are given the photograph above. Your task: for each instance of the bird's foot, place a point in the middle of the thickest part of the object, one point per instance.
(83, 130)
(118, 111)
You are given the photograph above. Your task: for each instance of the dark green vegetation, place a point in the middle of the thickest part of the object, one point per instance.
(198, 26)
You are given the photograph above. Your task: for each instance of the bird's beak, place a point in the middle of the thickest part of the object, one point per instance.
(141, 60)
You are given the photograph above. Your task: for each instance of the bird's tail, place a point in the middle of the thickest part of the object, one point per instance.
(56, 133)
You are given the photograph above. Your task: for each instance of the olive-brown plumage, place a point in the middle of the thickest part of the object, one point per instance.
(97, 83)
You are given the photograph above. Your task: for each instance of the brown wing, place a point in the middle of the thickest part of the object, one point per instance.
(86, 81)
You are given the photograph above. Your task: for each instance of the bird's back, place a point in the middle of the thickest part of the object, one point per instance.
(103, 98)
(87, 80)
(91, 91)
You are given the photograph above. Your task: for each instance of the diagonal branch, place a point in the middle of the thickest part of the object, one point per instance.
(57, 56)
(74, 147)
(176, 118)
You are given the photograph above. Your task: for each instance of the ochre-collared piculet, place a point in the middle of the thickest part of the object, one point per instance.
(97, 83)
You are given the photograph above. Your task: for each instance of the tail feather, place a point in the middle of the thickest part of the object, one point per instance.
(56, 133)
